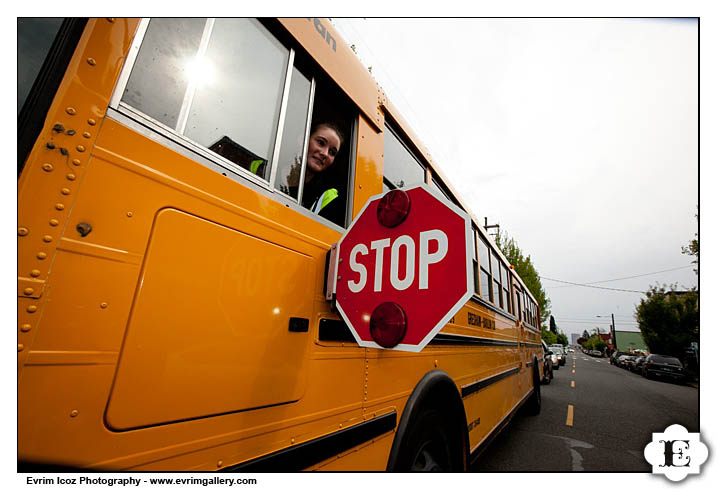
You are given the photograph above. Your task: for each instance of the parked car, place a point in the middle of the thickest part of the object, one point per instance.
(615, 355)
(594, 352)
(663, 366)
(636, 364)
(558, 350)
(548, 362)
(623, 360)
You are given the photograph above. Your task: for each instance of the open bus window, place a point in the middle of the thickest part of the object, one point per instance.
(218, 83)
(234, 88)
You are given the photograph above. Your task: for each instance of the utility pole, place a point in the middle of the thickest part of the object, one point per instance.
(487, 226)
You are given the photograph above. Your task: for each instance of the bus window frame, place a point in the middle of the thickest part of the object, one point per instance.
(167, 136)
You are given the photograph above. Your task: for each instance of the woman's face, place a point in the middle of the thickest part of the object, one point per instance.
(323, 147)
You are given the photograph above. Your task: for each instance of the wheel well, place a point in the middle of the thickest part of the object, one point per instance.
(435, 390)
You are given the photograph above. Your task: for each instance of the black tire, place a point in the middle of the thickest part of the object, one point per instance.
(533, 405)
(430, 445)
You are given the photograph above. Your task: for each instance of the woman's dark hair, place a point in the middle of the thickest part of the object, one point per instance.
(331, 126)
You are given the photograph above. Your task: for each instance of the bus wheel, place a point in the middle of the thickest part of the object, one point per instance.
(533, 405)
(429, 445)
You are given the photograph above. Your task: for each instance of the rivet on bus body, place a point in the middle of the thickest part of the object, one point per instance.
(340, 425)
(103, 305)
(91, 122)
(129, 214)
(80, 148)
(65, 191)
(111, 20)
(41, 255)
(32, 309)
(29, 291)
(74, 413)
(20, 347)
(47, 167)
(86, 134)
(71, 111)
(22, 231)
(35, 273)
(47, 238)
(54, 222)
(91, 62)
(59, 206)
(25, 327)
(219, 463)
(76, 162)
(70, 132)
(436, 363)
(292, 441)
(71, 177)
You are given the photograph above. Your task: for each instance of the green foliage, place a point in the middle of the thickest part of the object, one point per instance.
(692, 249)
(595, 343)
(552, 325)
(561, 338)
(548, 337)
(668, 320)
(525, 269)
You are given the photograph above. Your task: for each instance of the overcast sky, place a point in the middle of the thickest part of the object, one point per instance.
(578, 136)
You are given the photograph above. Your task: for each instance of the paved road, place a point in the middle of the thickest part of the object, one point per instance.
(615, 413)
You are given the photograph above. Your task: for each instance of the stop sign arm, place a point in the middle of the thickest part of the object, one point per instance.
(330, 278)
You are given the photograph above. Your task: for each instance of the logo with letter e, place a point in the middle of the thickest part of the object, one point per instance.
(676, 453)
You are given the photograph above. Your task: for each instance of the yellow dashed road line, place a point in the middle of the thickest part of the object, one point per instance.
(569, 416)
(573, 383)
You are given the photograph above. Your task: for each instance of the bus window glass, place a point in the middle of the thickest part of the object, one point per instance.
(485, 285)
(484, 255)
(485, 271)
(182, 78)
(497, 295)
(160, 76)
(289, 161)
(400, 166)
(34, 40)
(506, 287)
(495, 267)
(238, 96)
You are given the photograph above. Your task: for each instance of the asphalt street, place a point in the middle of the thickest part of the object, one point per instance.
(595, 417)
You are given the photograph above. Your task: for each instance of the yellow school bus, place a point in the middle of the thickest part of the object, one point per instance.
(172, 304)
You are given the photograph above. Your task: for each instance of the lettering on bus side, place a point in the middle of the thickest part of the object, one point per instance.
(324, 33)
(477, 320)
(474, 424)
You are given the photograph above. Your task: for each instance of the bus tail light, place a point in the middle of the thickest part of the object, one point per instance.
(393, 208)
(387, 324)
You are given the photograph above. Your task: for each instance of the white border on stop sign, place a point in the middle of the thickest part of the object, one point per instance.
(469, 273)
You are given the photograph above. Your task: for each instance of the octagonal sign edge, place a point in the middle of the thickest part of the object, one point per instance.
(458, 245)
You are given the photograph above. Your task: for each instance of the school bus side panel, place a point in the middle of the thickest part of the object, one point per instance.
(156, 295)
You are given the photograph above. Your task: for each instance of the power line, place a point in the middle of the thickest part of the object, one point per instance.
(591, 286)
(624, 278)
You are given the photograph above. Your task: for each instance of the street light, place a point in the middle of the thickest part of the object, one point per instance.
(613, 330)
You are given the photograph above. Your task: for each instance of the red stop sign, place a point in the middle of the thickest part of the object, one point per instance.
(423, 265)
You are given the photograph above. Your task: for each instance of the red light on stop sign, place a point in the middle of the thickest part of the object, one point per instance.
(393, 208)
(388, 324)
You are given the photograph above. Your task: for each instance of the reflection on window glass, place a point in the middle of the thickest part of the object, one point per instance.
(34, 40)
(484, 255)
(223, 92)
(239, 85)
(497, 294)
(289, 162)
(400, 166)
(485, 286)
(495, 267)
(160, 75)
